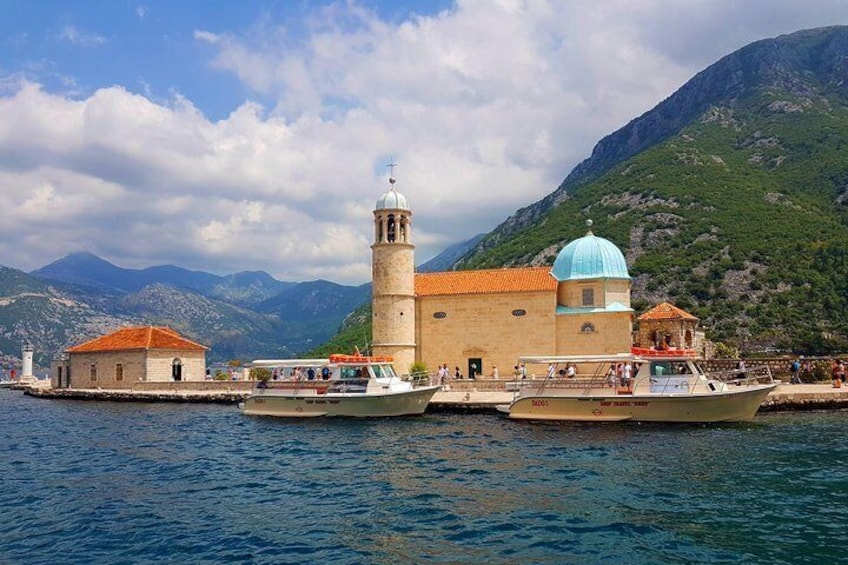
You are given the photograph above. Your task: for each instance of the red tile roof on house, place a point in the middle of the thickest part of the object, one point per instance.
(485, 281)
(666, 311)
(145, 337)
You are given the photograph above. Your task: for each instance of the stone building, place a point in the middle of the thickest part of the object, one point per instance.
(130, 355)
(477, 320)
(666, 326)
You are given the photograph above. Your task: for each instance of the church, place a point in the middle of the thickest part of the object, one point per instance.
(481, 319)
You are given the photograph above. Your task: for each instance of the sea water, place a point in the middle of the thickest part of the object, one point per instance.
(102, 482)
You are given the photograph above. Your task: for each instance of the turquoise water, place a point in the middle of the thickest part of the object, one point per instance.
(91, 482)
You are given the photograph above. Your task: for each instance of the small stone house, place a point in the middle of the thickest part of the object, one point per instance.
(130, 355)
(667, 326)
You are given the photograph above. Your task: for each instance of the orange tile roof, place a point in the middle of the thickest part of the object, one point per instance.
(485, 281)
(666, 311)
(144, 337)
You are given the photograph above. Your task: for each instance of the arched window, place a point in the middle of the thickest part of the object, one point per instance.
(391, 228)
(688, 338)
(587, 328)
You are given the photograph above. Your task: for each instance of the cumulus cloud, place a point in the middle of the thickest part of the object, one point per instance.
(486, 107)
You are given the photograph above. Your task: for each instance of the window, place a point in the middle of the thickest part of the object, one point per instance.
(92, 370)
(440, 315)
(391, 228)
(119, 372)
(587, 328)
(519, 312)
(588, 297)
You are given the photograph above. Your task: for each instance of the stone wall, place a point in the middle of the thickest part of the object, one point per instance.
(592, 333)
(779, 366)
(211, 386)
(495, 328)
(160, 365)
(112, 370)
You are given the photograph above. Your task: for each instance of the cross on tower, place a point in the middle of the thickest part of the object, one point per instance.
(391, 166)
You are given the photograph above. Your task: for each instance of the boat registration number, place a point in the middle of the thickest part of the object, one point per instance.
(541, 403)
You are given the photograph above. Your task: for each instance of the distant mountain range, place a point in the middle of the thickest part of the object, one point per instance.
(240, 316)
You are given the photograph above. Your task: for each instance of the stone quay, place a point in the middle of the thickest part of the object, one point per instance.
(464, 396)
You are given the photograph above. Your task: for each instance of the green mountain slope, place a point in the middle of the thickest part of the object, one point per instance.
(736, 210)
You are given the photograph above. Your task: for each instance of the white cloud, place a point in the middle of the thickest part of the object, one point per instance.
(486, 107)
(75, 36)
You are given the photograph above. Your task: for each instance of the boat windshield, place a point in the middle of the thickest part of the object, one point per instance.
(353, 372)
(666, 368)
(383, 371)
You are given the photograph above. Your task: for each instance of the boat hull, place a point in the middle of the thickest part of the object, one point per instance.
(729, 406)
(356, 405)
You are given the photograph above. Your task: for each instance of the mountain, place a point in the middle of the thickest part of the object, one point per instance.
(786, 65)
(240, 316)
(728, 198)
(89, 271)
(32, 311)
(312, 309)
(447, 258)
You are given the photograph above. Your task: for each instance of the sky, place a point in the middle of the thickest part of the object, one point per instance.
(255, 135)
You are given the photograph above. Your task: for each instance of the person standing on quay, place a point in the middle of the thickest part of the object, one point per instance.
(444, 373)
(795, 368)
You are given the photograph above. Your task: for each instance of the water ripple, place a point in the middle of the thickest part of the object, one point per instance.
(141, 483)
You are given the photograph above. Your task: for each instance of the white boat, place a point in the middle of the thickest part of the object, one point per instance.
(666, 386)
(343, 385)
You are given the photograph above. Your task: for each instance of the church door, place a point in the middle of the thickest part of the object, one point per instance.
(475, 367)
(177, 370)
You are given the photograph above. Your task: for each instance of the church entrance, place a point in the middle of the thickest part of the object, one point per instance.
(475, 367)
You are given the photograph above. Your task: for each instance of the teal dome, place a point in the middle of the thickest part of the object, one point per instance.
(392, 200)
(590, 257)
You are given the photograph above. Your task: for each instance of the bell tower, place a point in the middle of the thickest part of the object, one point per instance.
(393, 279)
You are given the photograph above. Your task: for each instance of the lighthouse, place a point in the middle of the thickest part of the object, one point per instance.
(26, 360)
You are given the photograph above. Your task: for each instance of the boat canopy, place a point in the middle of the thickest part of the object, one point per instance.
(289, 363)
(558, 359)
(638, 355)
(359, 359)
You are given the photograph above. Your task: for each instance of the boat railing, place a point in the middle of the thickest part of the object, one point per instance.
(760, 374)
(598, 379)
(419, 379)
(295, 385)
